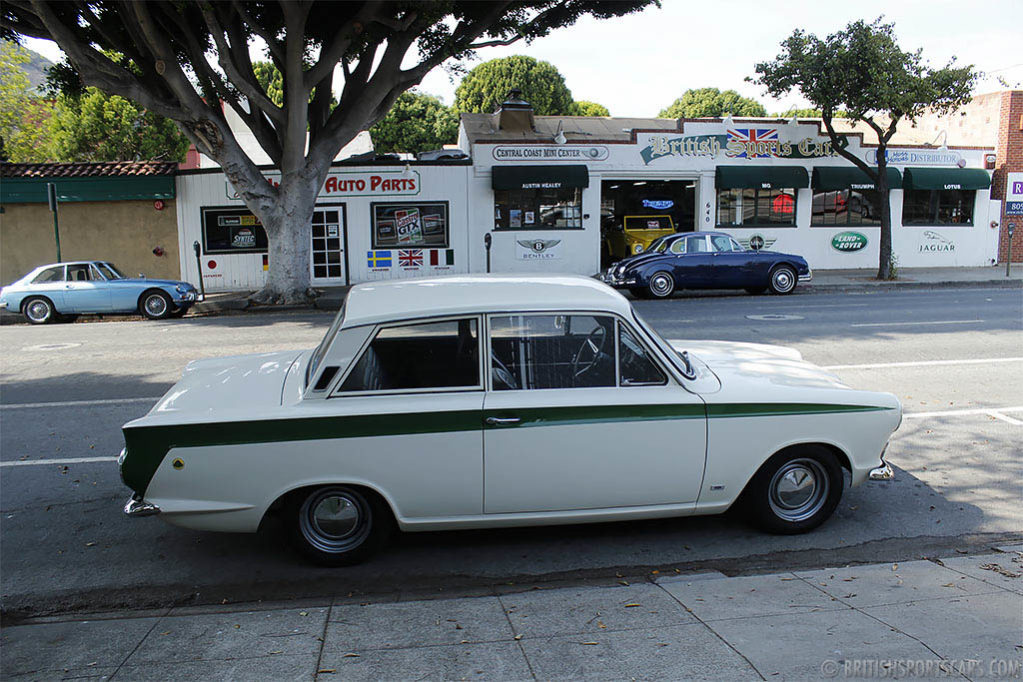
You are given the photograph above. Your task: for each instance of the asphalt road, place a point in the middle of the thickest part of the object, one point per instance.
(66, 390)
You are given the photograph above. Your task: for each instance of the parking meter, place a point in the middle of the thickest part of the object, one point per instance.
(1008, 255)
(487, 240)
(198, 265)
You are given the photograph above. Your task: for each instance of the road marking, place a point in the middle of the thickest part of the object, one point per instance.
(924, 363)
(996, 412)
(70, 460)
(909, 324)
(79, 403)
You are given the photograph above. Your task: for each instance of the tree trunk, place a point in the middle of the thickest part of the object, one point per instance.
(884, 266)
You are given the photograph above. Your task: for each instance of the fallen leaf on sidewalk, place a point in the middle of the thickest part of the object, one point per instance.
(999, 570)
(518, 637)
(848, 580)
(90, 544)
(895, 567)
(322, 671)
(350, 655)
(663, 644)
(630, 605)
(623, 582)
(274, 653)
(589, 643)
(601, 625)
(303, 613)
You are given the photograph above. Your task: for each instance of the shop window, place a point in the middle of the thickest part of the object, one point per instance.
(532, 209)
(408, 225)
(232, 230)
(757, 207)
(938, 207)
(846, 207)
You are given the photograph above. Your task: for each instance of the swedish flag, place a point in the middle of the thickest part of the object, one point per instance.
(378, 259)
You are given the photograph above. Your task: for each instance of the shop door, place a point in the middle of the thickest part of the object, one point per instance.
(327, 260)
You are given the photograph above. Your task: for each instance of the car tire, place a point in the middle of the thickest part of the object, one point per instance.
(661, 284)
(39, 310)
(783, 279)
(756, 291)
(155, 305)
(338, 525)
(796, 490)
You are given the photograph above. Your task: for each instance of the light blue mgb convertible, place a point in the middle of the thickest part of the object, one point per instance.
(61, 291)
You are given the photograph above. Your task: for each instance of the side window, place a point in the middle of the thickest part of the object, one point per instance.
(50, 275)
(551, 351)
(637, 369)
(696, 244)
(419, 356)
(721, 242)
(678, 246)
(78, 273)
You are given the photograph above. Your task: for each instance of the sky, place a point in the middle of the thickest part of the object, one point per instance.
(637, 65)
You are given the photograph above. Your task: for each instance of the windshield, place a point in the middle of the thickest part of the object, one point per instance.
(680, 360)
(109, 271)
(321, 350)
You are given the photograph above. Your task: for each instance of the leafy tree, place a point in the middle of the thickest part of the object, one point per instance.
(702, 102)
(542, 85)
(23, 115)
(165, 45)
(270, 80)
(806, 113)
(416, 123)
(862, 70)
(584, 108)
(98, 127)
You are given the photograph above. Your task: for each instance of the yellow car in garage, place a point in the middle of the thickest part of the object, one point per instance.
(635, 233)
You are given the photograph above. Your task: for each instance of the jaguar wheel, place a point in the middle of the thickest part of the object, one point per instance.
(796, 490)
(783, 279)
(338, 525)
(39, 310)
(661, 285)
(155, 305)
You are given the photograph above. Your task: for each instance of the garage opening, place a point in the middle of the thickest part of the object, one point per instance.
(633, 213)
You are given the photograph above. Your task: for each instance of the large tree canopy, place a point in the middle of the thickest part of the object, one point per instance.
(23, 114)
(416, 123)
(700, 102)
(862, 70)
(184, 59)
(542, 85)
(582, 107)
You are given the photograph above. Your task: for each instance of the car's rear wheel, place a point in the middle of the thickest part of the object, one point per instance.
(661, 284)
(39, 310)
(338, 525)
(796, 490)
(783, 279)
(155, 305)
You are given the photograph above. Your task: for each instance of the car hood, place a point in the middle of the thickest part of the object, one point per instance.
(145, 281)
(240, 384)
(735, 362)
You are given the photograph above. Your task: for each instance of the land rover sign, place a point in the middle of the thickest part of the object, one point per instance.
(848, 241)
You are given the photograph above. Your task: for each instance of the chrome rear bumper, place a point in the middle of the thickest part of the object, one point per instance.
(882, 473)
(137, 507)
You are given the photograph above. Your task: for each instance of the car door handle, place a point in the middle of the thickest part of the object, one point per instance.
(502, 421)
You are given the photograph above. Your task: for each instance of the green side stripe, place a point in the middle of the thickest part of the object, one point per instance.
(148, 445)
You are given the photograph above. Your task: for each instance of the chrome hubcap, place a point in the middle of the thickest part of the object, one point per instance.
(38, 310)
(783, 280)
(335, 520)
(156, 305)
(799, 489)
(661, 284)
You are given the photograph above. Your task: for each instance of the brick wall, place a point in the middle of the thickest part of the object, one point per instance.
(1009, 151)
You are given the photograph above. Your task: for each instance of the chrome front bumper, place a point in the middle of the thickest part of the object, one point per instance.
(138, 507)
(882, 473)
(807, 277)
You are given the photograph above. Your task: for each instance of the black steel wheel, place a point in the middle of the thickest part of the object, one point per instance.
(338, 525)
(796, 490)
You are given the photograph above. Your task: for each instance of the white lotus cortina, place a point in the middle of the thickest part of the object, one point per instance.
(485, 401)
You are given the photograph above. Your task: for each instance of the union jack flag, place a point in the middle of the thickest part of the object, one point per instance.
(753, 135)
(410, 258)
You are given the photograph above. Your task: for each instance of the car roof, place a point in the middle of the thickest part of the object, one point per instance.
(391, 300)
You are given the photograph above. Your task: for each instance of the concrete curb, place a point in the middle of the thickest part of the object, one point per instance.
(893, 286)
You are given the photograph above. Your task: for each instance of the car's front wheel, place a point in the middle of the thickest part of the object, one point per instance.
(661, 285)
(338, 525)
(155, 305)
(796, 490)
(39, 310)
(783, 279)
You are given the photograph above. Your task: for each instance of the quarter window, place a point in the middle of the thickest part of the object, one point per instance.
(418, 356)
(50, 275)
(637, 368)
(938, 207)
(723, 243)
(757, 207)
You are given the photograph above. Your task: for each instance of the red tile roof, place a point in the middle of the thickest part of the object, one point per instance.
(87, 170)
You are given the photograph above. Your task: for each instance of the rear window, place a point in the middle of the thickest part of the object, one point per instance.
(50, 275)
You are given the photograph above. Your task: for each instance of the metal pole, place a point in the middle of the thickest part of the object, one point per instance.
(51, 197)
(198, 265)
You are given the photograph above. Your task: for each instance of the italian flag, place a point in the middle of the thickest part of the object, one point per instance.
(442, 256)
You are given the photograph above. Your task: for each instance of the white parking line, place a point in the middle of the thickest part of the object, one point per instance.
(924, 363)
(69, 460)
(79, 403)
(1004, 418)
(909, 324)
(989, 411)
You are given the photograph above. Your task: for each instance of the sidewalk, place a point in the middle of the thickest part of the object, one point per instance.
(883, 620)
(830, 281)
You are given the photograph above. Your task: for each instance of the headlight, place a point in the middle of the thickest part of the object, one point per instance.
(638, 248)
(182, 288)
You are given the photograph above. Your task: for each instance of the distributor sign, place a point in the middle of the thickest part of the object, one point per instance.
(1014, 195)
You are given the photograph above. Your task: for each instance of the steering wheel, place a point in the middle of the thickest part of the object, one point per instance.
(589, 353)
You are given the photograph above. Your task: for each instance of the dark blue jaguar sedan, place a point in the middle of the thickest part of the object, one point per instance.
(705, 260)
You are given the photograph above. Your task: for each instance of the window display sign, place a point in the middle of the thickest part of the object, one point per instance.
(410, 225)
(232, 230)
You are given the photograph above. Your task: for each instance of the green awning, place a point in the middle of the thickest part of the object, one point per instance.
(946, 178)
(763, 177)
(540, 177)
(850, 177)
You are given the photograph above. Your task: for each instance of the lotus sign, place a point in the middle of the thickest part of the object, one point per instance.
(848, 241)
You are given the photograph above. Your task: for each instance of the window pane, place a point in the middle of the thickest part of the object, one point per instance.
(552, 351)
(538, 209)
(409, 226)
(636, 366)
(696, 245)
(916, 207)
(78, 273)
(728, 205)
(232, 230)
(721, 242)
(416, 356)
(955, 207)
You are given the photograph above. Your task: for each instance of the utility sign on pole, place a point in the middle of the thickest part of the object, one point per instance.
(51, 196)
